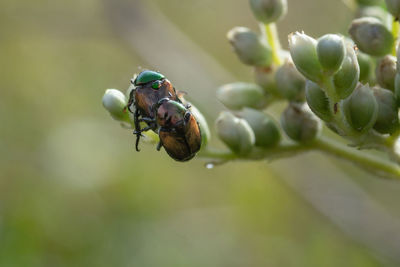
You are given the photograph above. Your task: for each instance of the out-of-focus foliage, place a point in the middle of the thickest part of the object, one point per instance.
(73, 192)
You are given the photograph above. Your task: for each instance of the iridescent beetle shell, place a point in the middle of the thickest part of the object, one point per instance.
(179, 131)
(150, 87)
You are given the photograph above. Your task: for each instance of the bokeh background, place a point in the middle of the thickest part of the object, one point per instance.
(73, 192)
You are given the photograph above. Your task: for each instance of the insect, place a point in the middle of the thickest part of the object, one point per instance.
(179, 131)
(157, 103)
(150, 87)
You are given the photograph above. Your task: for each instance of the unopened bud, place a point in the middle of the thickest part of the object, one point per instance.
(249, 47)
(393, 6)
(299, 123)
(264, 127)
(388, 118)
(331, 51)
(236, 133)
(204, 129)
(238, 95)
(318, 101)
(115, 102)
(375, 12)
(304, 54)
(291, 84)
(365, 63)
(386, 71)
(267, 11)
(346, 79)
(371, 36)
(265, 77)
(361, 109)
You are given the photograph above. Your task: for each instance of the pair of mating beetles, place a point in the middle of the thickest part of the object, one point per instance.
(157, 104)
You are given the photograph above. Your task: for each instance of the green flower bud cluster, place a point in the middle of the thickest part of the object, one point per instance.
(327, 57)
(351, 84)
(333, 91)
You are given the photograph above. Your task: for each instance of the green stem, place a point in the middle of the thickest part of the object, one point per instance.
(335, 108)
(373, 164)
(366, 161)
(271, 35)
(395, 33)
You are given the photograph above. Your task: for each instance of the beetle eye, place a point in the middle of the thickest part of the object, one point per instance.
(156, 85)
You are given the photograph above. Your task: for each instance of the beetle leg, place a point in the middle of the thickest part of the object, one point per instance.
(142, 130)
(159, 145)
(147, 119)
(137, 131)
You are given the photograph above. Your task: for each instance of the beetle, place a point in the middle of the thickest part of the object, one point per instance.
(149, 87)
(179, 130)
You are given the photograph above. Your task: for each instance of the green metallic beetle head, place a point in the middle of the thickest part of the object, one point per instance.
(148, 76)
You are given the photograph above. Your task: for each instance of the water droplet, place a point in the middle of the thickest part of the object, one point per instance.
(210, 165)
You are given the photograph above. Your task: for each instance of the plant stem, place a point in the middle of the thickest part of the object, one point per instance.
(373, 164)
(271, 34)
(335, 108)
(395, 33)
(368, 162)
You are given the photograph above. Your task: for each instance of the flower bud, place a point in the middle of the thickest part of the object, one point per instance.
(290, 82)
(370, 2)
(238, 95)
(249, 47)
(331, 51)
(115, 102)
(371, 36)
(235, 133)
(346, 79)
(365, 63)
(265, 77)
(388, 118)
(268, 11)
(386, 71)
(393, 6)
(361, 109)
(264, 127)
(397, 88)
(299, 123)
(204, 129)
(304, 54)
(318, 101)
(376, 12)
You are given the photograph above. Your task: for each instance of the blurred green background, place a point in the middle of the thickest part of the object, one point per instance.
(73, 192)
